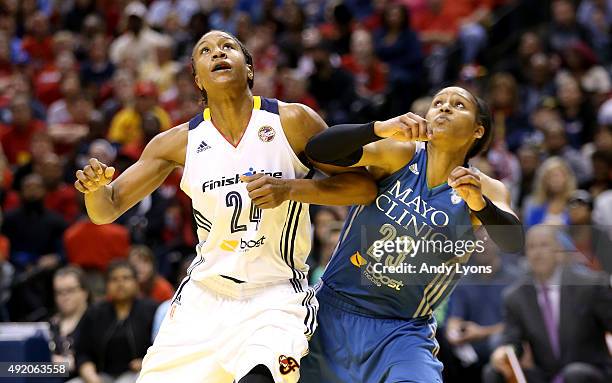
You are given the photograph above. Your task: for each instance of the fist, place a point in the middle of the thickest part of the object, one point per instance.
(266, 192)
(501, 362)
(407, 127)
(466, 183)
(93, 176)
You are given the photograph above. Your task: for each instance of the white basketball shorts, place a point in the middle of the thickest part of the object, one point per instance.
(217, 331)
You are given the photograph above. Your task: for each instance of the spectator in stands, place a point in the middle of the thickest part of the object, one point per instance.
(553, 186)
(601, 162)
(398, 46)
(472, 325)
(97, 70)
(159, 9)
(152, 285)
(16, 137)
(82, 243)
(512, 125)
(369, 72)
(113, 336)
(71, 299)
(224, 17)
(564, 29)
(539, 85)
(32, 229)
(518, 64)
(591, 241)
(138, 41)
(38, 41)
(568, 344)
(577, 113)
(332, 87)
(163, 71)
(596, 17)
(126, 126)
(60, 197)
(555, 144)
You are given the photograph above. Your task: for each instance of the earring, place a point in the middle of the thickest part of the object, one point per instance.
(250, 76)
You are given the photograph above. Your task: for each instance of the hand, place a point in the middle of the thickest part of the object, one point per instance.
(266, 192)
(48, 261)
(93, 176)
(472, 332)
(467, 184)
(136, 365)
(500, 361)
(407, 127)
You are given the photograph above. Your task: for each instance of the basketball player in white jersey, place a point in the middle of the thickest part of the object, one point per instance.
(244, 312)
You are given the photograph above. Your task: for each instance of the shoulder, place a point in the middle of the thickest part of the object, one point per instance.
(299, 123)
(169, 145)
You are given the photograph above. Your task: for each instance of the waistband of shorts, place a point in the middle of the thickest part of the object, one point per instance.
(327, 295)
(228, 288)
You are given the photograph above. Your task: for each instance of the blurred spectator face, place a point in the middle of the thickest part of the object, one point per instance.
(146, 97)
(569, 94)
(63, 41)
(528, 158)
(556, 180)
(164, 52)
(539, 69)
(70, 296)
(554, 136)
(134, 24)
(226, 6)
(82, 111)
(530, 44)
(40, 146)
(361, 43)
(394, 17)
(295, 86)
(103, 151)
(603, 138)
(98, 49)
(123, 86)
(5, 49)
(150, 126)
(579, 213)
(541, 116)
(38, 25)
(122, 284)
(293, 16)
(563, 12)
(143, 264)
(601, 165)
(32, 188)
(93, 25)
(65, 62)
(50, 169)
(71, 85)
(172, 24)
(21, 112)
(503, 91)
(542, 250)
(322, 222)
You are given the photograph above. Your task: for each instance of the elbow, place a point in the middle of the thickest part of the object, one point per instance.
(367, 194)
(101, 218)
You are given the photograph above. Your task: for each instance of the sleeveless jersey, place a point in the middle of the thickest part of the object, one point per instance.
(428, 225)
(236, 239)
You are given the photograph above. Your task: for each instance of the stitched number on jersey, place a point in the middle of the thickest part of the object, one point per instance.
(234, 199)
(389, 233)
(255, 215)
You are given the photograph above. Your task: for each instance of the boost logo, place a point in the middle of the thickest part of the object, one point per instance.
(242, 245)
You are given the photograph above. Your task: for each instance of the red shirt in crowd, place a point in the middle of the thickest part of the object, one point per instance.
(95, 246)
(373, 78)
(162, 289)
(16, 142)
(63, 201)
(38, 50)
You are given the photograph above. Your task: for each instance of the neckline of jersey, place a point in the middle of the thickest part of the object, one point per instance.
(256, 106)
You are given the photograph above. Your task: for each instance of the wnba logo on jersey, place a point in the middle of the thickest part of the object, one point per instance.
(287, 364)
(266, 133)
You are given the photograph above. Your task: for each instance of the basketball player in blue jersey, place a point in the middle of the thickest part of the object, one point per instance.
(375, 317)
(244, 312)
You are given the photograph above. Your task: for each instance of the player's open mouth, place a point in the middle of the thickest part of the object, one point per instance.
(441, 118)
(221, 66)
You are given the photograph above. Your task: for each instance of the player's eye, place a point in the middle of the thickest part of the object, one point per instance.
(205, 50)
(460, 105)
(227, 45)
(437, 103)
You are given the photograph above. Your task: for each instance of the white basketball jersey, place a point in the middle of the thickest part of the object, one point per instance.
(236, 239)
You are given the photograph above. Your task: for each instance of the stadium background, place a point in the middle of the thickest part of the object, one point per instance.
(99, 78)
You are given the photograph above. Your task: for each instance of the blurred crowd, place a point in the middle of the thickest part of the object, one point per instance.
(100, 78)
